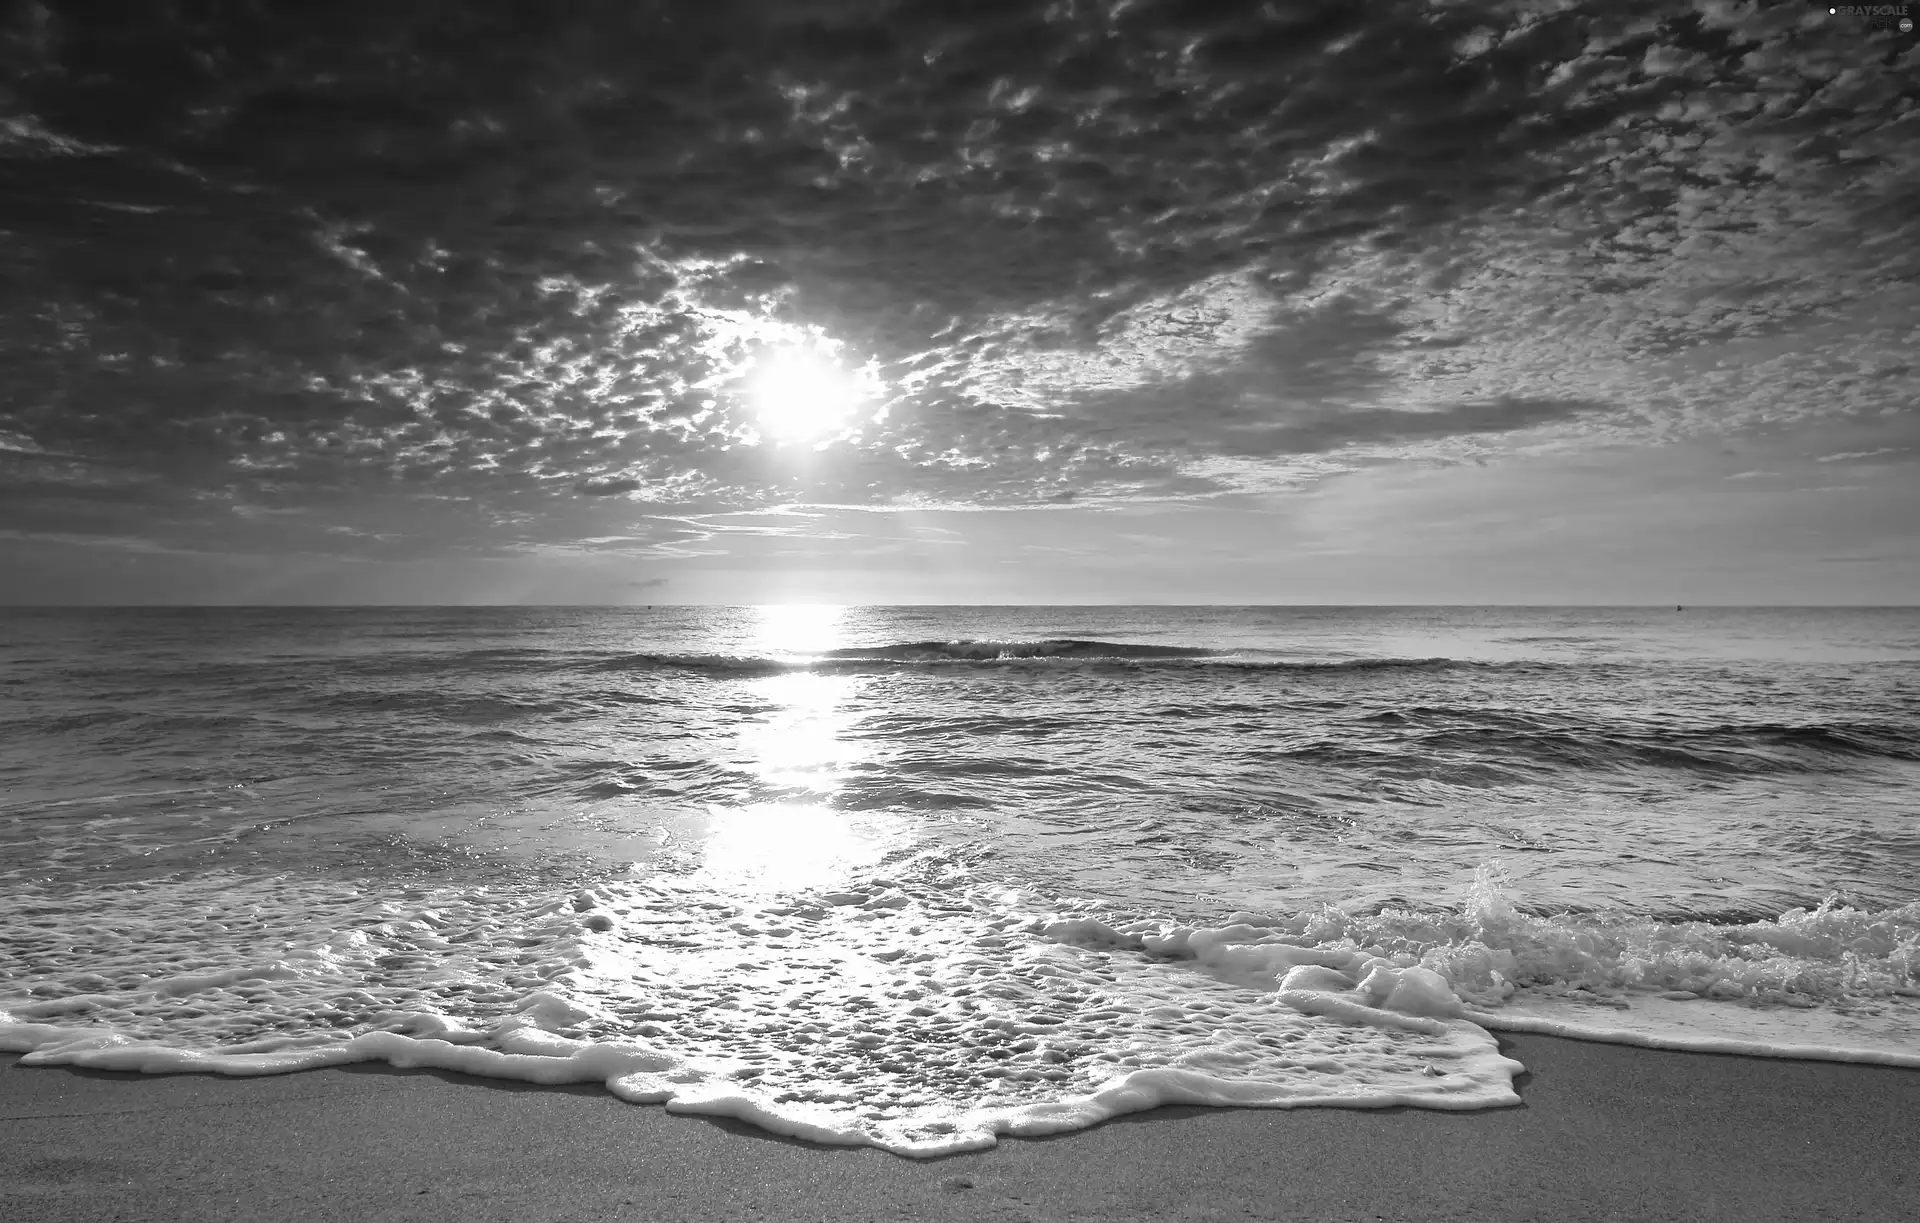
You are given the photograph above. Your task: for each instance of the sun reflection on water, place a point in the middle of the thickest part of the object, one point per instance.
(800, 745)
(799, 750)
(789, 629)
(790, 847)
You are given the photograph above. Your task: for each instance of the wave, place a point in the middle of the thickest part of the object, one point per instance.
(451, 706)
(1830, 983)
(915, 653)
(66, 724)
(1840, 738)
(919, 1016)
(723, 664)
(1557, 639)
(994, 651)
(1725, 748)
(1061, 651)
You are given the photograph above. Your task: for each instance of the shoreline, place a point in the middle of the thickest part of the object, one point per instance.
(1603, 1132)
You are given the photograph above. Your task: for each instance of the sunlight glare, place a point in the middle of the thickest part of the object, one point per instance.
(802, 394)
(802, 745)
(795, 743)
(798, 628)
(799, 746)
(781, 847)
(800, 753)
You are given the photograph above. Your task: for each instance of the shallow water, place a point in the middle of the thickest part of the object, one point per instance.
(917, 876)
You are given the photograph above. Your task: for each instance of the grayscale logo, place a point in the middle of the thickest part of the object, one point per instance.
(1878, 16)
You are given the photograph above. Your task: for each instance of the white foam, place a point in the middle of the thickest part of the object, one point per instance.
(919, 1019)
(1832, 983)
(914, 1012)
(1887, 1034)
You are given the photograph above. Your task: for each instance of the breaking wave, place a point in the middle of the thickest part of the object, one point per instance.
(1064, 651)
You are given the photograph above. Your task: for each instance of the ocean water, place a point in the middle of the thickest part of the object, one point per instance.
(918, 877)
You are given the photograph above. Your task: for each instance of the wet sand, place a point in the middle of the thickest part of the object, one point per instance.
(1605, 1133)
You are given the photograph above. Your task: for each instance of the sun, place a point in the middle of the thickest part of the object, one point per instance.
(801, 394)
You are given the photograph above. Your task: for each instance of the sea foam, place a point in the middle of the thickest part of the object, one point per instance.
(913, 1011)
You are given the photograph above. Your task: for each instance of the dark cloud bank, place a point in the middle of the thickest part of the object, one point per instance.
(359, 278)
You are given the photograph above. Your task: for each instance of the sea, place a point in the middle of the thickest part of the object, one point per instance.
(920, 877)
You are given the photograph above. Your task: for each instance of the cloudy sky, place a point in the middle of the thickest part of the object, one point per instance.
(927, 301)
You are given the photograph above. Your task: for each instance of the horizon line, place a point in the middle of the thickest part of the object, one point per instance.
(4, 606)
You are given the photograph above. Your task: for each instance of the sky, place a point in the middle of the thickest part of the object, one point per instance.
(921, 301)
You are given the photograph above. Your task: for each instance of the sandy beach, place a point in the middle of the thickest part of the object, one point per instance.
(1605, 1133)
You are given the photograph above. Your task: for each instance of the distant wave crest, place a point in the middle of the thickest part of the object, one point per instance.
(1058, 650)
(993, 651)
(1432, 734)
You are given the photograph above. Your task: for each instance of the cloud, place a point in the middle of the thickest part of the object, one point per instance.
(1847, 456)
(492, 281)
(608, 488)
(19, 444)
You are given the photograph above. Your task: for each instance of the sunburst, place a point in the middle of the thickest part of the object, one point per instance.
(802, 394)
